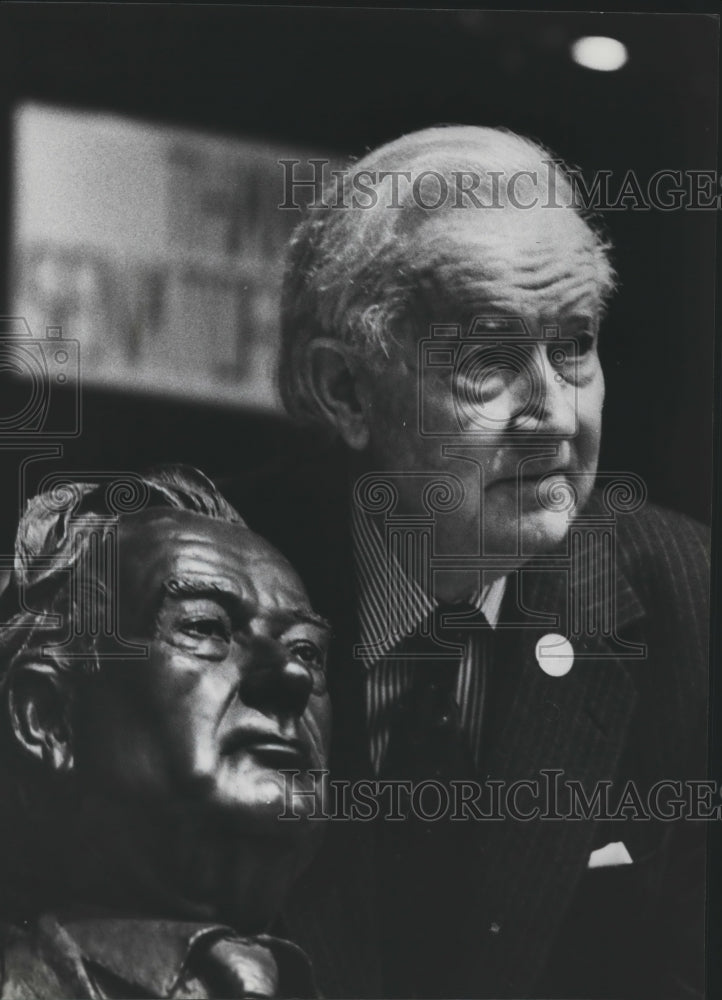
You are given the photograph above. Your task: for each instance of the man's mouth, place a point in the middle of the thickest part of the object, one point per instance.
(529, 478)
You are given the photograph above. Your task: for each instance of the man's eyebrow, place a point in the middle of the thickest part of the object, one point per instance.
(581, 315)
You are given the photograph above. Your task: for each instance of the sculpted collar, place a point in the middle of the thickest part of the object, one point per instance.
(104, 956)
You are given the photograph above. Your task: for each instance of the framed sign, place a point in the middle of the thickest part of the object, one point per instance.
(158, 250)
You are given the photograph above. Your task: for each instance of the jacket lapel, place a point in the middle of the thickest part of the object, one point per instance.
(556, 730)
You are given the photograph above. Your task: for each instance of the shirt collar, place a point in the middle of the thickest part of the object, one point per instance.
(391, 603)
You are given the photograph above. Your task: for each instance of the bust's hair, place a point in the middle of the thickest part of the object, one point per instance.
(354, 270)
(61, 540)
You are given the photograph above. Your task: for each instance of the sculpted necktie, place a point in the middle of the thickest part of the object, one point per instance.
(255, 968)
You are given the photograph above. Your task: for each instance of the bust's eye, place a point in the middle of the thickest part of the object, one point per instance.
(307, 653)
(312, 656)
(206, 628)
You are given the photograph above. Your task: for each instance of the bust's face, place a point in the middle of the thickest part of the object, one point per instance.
(232, 688)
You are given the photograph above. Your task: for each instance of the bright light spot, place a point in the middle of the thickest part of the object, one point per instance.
(598, 52)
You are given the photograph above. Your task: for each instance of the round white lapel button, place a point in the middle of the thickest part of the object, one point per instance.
(554, 654)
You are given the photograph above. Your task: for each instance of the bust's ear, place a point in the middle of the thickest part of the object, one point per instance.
(339, 389)
(39, 706)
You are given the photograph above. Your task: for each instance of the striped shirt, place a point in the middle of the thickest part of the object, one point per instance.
(392, 604)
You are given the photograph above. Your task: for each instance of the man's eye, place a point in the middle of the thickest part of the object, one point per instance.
(206, 628)
(585, 344)
(568, 357)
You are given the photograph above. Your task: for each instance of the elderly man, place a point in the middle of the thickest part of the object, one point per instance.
(161, 666)
(503, 627)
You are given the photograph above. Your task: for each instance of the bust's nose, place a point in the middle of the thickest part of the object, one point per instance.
(271, 680)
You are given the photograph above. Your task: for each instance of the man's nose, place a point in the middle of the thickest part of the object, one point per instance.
(543, 401)
(272, 681)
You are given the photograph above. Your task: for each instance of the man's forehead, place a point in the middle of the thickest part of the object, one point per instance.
(476, 262)
(536, 231)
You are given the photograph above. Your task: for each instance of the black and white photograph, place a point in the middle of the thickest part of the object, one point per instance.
(359, 422)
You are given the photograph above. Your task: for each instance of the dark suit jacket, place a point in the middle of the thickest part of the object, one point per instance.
(542, 924)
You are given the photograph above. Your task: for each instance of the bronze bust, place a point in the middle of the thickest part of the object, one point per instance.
(159, 668)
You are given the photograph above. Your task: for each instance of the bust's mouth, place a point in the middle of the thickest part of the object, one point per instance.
(270, 747)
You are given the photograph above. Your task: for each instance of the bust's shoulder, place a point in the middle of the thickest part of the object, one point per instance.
(39, 962)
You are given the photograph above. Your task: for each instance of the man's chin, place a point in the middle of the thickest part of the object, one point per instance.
(536, 533)
(541, 531)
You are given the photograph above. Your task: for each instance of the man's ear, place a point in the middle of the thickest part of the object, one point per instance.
(339, 390)
(39, 706)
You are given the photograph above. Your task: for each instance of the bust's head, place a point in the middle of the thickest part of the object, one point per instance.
(163, 666)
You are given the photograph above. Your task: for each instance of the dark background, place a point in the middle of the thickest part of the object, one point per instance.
(347, 80)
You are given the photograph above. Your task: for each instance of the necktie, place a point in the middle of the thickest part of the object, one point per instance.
(426, 740)
(426, 859)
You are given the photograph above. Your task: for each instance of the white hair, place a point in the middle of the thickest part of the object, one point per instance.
(354, 269)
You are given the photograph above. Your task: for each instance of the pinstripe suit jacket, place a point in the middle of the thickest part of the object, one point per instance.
(544, 924)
